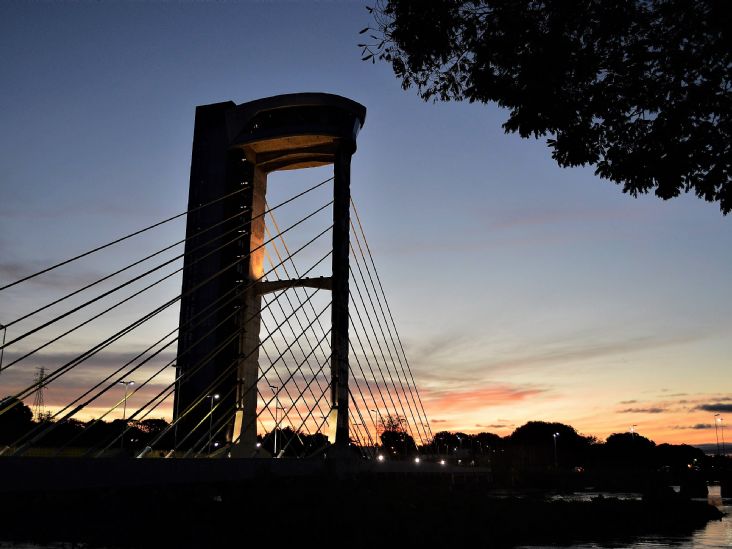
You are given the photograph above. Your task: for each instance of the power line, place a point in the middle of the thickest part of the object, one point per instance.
(391, 317)
(378, 344)
(239, 260)
(218, 379)
(373, 353)
(150, 271)
(150, 256)
(188, 372)
(117, 241)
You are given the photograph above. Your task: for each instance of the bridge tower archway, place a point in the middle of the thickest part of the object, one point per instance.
(235, 148)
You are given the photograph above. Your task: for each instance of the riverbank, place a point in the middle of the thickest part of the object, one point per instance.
(356, 512)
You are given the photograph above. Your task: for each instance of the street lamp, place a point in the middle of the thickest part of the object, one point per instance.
(377, 415)
(555, 436)
(211, 399)
(716, 430)
(127, 385)
(720, 420)
(275, 388)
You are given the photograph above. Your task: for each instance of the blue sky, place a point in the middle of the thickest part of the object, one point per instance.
(522, 290)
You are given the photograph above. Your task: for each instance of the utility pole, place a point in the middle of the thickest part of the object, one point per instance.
(377, 419)
(721, 424)
(277, 406)
(39, 410)
(4, 328)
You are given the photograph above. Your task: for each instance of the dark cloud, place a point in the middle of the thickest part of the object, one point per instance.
(697, 426)
(438, 420)
(574, 350)
(717, 407)
(628, 401)
(652, 410)
(494, 426)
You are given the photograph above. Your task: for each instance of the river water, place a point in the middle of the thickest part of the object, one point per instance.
(716, 534)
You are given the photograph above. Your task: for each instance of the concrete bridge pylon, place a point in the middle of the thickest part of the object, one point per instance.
(235, 147)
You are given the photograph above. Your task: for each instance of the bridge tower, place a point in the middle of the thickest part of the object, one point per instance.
(235, 147)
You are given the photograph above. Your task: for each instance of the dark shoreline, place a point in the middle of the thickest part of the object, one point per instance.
(368, 511)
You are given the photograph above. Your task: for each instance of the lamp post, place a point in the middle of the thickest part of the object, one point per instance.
(555, 436)
(721, 424)
(716, 430)
(211, 399)
(358, 424)
(127, 385)
(275, 388)
(377, 418)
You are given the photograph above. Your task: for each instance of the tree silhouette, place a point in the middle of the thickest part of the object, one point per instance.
(628, 449)
(534, 443)
(16, 421)
(395, 440)
(640, 89)
(398, 444)
(394, 422)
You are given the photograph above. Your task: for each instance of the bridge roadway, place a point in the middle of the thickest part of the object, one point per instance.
(38, 474)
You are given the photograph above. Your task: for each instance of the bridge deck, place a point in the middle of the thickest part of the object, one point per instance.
(59, 474)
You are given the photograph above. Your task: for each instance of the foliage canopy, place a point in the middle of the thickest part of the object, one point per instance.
(640, 89)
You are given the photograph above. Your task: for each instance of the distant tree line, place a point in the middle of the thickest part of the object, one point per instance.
(126, 437)
(539, 450)
(536, 447)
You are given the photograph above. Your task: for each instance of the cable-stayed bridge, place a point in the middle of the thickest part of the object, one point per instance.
(284, 345)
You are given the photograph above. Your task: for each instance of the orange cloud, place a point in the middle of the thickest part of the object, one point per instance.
(476, 399)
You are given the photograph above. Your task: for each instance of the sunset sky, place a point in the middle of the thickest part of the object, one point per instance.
(522, 291)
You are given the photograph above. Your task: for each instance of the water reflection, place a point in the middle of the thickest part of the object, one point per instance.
(716, 534)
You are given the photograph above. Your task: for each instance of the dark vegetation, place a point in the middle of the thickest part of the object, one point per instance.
(625, 461)
(124, 438)
(639, 89)
(537, 454)
(507, 508)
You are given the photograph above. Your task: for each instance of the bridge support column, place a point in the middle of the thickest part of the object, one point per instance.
(339, 307)
(235, 147)
(244, 435)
